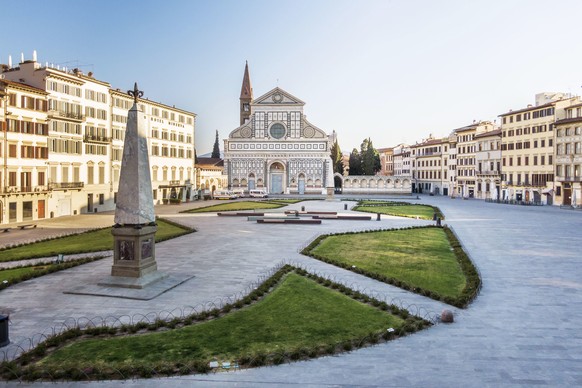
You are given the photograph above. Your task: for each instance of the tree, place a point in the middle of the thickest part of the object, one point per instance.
(355, 163)
(195, 157)
(216, 149)
(370, 158)
(336, 158)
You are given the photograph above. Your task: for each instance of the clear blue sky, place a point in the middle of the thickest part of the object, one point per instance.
(394, 71)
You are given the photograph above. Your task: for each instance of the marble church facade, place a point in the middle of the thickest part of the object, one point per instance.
(275, 148)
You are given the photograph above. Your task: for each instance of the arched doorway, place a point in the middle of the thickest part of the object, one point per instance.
(276, 173)
(337, 184)
(251, 181)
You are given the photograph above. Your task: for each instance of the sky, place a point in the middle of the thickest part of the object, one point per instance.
(392, 71)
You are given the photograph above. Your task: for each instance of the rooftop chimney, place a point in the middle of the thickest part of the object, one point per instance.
(34, 55)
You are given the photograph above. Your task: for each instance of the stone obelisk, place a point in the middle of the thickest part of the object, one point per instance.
(134, 262)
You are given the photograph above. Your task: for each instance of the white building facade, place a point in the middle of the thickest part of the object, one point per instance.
(275, 148)
(86, 122)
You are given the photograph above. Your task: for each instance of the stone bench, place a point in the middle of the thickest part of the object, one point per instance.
(240, 214)
(22, 227)
(4, 230)
(287, 221)
(256, 218)
(352, 218)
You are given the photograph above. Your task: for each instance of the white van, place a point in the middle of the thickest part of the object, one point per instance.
(224, 194)
(240, 193)
(258, 193)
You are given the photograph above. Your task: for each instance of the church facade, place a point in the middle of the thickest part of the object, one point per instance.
(275, 148)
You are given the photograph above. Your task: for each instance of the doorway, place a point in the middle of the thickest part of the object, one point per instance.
(301, 184)
(276, 172)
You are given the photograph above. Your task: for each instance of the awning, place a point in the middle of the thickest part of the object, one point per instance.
(548, 191)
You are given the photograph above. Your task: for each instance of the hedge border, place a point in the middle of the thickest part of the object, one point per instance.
(24, 368)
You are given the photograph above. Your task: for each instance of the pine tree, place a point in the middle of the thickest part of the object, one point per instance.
(336, 158)
(195, 157)
(355, 163)
(370, 158)
(216, 149)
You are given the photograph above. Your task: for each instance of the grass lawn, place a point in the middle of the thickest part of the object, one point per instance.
(421, 257)
(17, 273)
(93, 241)
(421, 211)
(237, 206)
(298, 313)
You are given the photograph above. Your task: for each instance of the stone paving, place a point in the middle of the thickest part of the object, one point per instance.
(523, 329)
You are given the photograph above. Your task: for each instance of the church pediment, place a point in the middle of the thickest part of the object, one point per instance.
(278, 96)
(311, 131)
(242, 132)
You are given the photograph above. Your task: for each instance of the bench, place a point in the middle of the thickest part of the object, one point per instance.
(22, 227)
(255, 218)
(292, 221)
(241, 214)
(4, 230)
(352, 218)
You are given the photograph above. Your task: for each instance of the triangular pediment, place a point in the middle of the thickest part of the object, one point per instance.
(278, 96)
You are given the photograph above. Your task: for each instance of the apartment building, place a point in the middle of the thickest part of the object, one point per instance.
(429, 167)
(24, 192)
(466, 156)
(488, 164)
(86, 122)
(527, 148)
(386, 161)
(568, 158)
(401, 160)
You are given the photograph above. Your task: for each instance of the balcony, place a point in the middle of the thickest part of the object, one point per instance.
(25, 189)
(569, 178)
(488, 173)
(97, 139)
(66, 115)
(66, 185)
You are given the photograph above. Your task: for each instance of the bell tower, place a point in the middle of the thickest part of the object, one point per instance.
(246, 96)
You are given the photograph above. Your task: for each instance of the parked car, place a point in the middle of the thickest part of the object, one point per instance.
(257, 193)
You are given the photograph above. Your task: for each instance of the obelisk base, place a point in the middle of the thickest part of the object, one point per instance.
(330, 193)
(134, 257)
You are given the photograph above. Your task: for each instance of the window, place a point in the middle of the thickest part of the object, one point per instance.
(101, 199)
(277, 131)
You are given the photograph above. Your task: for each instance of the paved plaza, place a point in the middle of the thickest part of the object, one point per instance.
(523, 329)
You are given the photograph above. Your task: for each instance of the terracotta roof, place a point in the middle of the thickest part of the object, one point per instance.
(246, 90)
(568, 121)
(549, 104)
(468, 127)
(496, 132)
(430, 142)
(210, 162)
(21, 85)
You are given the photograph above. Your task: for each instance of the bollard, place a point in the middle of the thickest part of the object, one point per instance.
(345, 206)
(4, 340)
(302, 208)
(377, 216)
